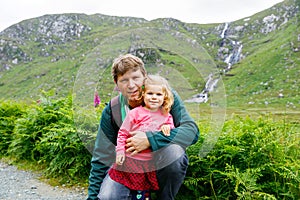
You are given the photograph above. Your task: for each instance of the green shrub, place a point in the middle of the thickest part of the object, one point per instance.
(46, 134)
(34, 125)
(10, 112)
(64, 152)
(253, 159)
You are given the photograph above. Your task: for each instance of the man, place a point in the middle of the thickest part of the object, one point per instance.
(128, 72)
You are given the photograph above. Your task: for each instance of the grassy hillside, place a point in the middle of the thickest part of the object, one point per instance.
(269, 75)
(51, 51)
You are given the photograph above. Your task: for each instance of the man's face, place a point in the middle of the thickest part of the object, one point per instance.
(129, 84)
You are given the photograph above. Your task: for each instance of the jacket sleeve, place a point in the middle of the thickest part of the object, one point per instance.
(103, 154)
(186, 132)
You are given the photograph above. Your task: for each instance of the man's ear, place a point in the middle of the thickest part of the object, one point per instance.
(116, 89)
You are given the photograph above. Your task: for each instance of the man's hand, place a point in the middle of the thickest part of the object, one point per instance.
(137, 143)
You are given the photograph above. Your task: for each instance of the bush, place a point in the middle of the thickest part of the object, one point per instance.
(10, 112)
(46, 134)
(251, 160)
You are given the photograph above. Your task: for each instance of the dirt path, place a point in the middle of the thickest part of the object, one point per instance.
(19, 184)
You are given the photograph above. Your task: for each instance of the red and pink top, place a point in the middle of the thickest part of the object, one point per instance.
(141, 119)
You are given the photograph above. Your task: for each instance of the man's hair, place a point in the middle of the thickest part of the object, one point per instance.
(168, 95)
(124, 63)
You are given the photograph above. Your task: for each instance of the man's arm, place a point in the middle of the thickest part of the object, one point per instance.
(186, 132)
(103, 155)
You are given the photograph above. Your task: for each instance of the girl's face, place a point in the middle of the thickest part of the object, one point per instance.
(153, 97)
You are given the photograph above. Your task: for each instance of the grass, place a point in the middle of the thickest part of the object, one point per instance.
(269, 68)
(204, 113)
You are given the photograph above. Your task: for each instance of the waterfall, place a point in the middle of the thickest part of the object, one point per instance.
(210, 85)
(223, 34)
(233, 57)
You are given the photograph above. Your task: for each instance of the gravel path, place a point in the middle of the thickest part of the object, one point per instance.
(19, 184)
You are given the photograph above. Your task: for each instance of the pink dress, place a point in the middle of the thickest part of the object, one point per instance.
(138, 172)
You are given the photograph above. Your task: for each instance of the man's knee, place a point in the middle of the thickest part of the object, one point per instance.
(174, 162)
(178, 167)
(170, 156)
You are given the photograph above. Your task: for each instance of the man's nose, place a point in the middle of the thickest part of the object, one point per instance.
(131, 83)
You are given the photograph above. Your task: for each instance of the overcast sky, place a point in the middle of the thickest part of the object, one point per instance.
(190, 11)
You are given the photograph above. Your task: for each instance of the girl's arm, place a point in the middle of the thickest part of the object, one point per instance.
(123, 134)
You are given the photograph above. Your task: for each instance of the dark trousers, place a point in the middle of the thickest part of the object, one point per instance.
(173, 163)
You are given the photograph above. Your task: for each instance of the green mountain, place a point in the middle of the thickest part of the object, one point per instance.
(255, 58)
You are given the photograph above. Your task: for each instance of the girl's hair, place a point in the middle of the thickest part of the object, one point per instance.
(124, 63)
(168, 95)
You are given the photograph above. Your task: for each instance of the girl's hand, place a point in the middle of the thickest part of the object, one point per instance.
(120, 158)
(166, 129)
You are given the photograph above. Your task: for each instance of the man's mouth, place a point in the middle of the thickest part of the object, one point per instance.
(132, 93)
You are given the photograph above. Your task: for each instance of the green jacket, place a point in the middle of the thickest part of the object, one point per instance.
(185, 134)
